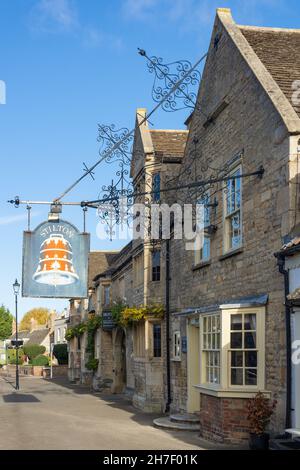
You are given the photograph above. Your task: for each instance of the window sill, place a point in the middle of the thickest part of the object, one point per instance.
(176, 359)
(230, 253)
(201, 265)
(230, 393)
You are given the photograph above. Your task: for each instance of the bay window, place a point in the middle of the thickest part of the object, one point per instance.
(232, 349)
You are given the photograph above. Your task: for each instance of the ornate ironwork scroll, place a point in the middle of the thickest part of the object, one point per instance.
(166, 75)
(110, 136)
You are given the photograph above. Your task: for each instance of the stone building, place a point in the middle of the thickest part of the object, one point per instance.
(224, 336)
(79, 312)
(226, 298)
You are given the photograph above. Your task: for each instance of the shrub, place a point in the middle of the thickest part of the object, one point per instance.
(92, 364)
(12, 354)
(33, 350)
(60, 351)
(260, 410)
(40, 361)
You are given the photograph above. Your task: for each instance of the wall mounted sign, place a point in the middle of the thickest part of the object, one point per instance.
(107, 321)
(55, 261)
(184, 344)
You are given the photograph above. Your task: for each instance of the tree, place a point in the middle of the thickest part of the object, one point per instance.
(33, 350)
(40, 315)
(60, 351)
(6, 321)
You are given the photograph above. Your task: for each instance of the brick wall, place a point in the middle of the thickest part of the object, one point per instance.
(224, 419)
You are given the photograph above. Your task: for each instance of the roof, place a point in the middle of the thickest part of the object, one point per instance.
(292, 245)
(169, 142)
(98, 262)
(119, 260)
(35, 336)
(295, 295)
(38, 336)
(21, 334)
(279, 51)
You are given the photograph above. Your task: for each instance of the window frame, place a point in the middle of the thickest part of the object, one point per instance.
(154, 325)
(225, 385)
(106, 288)
(227, 217)
(177, 345)
(155, 269)
(198, 257)
(156, 187)
(207, 352)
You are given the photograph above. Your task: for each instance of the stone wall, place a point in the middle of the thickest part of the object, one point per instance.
(249, 125)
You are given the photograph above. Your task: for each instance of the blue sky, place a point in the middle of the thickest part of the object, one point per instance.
(70, 64)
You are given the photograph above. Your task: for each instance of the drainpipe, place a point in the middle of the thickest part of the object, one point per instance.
(282, 270)
(169, 399)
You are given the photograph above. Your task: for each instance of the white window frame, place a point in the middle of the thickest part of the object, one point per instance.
(203, 237)
(209, 349)
(227, 217)
(224, 388)
(177, 346)
(106, 289)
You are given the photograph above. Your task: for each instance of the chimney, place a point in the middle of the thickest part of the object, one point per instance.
(33, 324)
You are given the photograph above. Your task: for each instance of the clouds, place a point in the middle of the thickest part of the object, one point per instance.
(57, 17)
(189, 15)
(140, 9)
(12, 219)
(52, 16)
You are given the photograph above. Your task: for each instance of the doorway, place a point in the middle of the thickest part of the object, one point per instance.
(119, 361)
(193, 364)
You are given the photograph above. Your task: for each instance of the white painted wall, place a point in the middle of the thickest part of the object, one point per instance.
(293, 265)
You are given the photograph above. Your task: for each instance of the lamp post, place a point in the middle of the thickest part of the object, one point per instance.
(16, 287)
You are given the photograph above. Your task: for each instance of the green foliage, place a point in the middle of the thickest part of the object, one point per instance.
(6, 321)
(130, 315)
(92, 364)
(40, 361)
(117, 310)
(75, 331)
(92, 326)
(60, 351)
(12, 355)
(41, 315)
(33, 350)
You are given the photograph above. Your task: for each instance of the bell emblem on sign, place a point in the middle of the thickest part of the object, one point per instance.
(55, 266)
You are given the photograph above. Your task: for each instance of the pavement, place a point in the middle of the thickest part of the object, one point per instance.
(56, 415)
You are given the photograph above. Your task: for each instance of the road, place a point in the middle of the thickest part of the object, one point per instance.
(56, 415)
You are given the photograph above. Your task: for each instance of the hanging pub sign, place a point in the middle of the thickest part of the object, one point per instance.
(55, 261)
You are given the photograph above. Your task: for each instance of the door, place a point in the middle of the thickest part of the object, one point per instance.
(193, 365)
(119, 361)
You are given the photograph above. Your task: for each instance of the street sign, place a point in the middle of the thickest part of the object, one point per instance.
(17, 343)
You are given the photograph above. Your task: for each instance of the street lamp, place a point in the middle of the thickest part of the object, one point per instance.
(16, 287)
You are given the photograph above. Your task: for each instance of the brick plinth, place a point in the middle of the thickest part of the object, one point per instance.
(224, 419)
